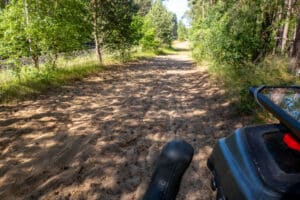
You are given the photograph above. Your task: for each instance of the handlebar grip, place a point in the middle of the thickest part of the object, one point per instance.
(173, 161)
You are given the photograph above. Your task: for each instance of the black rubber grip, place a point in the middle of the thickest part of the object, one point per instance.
(173, 161)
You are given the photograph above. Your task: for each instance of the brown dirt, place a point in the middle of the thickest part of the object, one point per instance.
(99, 138)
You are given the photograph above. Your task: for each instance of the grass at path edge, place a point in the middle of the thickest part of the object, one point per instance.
(33, 82)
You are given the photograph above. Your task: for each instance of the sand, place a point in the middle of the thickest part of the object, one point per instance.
(99, 138)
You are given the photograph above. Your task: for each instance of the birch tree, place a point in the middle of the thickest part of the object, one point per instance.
(286, 24)
(295, 60)
(112, 22)
(31, 28)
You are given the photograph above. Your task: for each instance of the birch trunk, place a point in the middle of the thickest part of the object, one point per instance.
(295, 61)
(34, 55)
(96, 32)
(286, 26)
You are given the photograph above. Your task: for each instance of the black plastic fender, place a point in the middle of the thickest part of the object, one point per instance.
(173, 161)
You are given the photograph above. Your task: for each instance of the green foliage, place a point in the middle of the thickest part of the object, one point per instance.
(159, 26)
(32, 28)
(13, 39)
(149, 41)
(65, 27)
(175, 27)
(271, 71)
(238, 36)
(3, 3)
(117, 28)
(137, 27)
(44, 31)
(29, 81)
(33, 81)
(235, 31)
(182, 31)
(143, 6)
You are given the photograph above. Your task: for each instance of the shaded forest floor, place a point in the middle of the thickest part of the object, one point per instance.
(99, 138)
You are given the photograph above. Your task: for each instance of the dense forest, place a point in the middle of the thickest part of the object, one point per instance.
(237, 31)
(47, 28)
(38, 38)
(245, 42)
(250, 42)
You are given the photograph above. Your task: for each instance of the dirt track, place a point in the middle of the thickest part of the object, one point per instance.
(99, 138)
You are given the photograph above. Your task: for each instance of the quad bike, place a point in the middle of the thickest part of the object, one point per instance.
(254, 163)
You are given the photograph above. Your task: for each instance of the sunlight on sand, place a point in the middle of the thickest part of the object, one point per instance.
(100, 138)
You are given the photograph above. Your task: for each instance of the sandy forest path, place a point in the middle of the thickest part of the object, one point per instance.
(99, 138)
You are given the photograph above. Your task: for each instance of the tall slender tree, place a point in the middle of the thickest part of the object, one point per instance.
(295, 61)
(112, 22)
(237, 31)
(286, 24)
(95, 13)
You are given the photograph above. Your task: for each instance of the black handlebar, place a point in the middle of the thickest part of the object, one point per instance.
(171, 165)
(285, 119)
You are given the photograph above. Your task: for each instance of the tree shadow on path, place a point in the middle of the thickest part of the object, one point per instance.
(100, 138)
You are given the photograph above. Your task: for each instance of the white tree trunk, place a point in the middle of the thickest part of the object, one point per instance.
(96, 33)
(295, 61)
(286, 25)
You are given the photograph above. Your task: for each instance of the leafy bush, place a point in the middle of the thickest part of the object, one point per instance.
(149, 41)
(182, 31)
(158, 27)
(237, 80)
(230, 33)
(26, 31)
(239, 37)
(32, 81)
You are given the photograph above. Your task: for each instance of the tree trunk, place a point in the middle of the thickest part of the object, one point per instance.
(212, 2)
(98, 49)
(286, 25)
(292, 43)
(35, 59)
(295, 61)
(266, 34)
(3, 3)
(53, 59)
(34, 55)
(279, 32)
(203, 9)
(96, 33)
